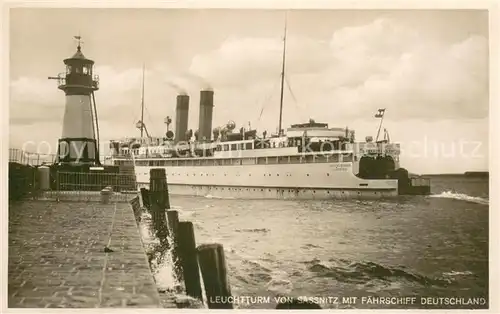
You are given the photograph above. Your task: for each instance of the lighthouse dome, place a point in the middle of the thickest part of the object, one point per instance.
(78, 57)
(78, 54)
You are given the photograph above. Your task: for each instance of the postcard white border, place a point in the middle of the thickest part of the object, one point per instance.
(494, 126)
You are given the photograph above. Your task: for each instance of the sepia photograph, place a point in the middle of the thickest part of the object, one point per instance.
(248, 158)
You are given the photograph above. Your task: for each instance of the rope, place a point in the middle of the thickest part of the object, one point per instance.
(266, 99)
(295, 102)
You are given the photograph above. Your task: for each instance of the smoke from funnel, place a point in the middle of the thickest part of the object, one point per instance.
(177, 88)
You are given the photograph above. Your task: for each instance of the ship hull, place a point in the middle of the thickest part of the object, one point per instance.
(252, 192)
(277, 181)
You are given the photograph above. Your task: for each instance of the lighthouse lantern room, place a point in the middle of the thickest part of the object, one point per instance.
(78, 144)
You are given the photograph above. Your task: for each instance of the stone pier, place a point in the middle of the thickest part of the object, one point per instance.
(85, 255)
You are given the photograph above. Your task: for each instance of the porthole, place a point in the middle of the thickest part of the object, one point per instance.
(328, 174)
(308, 174)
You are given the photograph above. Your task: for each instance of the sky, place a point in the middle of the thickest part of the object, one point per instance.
(428, 68)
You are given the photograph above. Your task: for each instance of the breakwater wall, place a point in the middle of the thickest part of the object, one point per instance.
(22, 180)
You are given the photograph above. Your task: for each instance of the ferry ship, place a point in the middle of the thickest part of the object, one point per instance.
(306, 161)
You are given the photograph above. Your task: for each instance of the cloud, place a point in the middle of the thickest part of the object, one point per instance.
(244, 61)
(36, 99)
(381, 64)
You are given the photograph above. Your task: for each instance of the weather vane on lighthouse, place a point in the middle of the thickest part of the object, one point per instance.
(80, 42)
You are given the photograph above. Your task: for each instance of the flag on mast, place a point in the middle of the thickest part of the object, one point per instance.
(380, 113)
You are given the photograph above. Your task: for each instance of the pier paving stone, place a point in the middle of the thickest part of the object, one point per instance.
(57, 258)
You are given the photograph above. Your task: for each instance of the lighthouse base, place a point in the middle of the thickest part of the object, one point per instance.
(89, 178)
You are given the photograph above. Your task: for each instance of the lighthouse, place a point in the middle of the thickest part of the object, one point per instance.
(78, 145)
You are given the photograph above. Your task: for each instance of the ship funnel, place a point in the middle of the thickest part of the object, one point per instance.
(181, 117)
(206, 111)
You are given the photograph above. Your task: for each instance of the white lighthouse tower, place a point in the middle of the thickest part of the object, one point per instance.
(78, 144)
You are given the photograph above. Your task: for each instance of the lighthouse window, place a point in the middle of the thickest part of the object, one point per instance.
(87, 69)
(69, 68)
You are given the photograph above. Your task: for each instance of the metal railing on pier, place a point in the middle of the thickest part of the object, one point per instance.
(33, 159)
(36, 159)
(85, 187)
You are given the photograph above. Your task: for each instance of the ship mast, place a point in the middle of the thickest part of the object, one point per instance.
(142, 102)
(280, 133)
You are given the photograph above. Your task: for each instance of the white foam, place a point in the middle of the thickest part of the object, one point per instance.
(279, 284)
(219, 197)
(458, 273)
(462, 197)
(163, 273)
